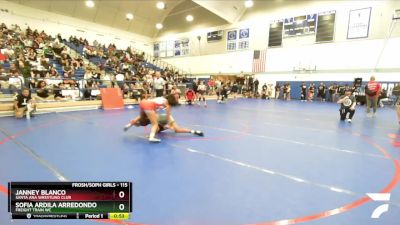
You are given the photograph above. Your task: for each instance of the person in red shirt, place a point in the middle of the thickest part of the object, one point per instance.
(211, 84)
(190, 96)
(372, 90)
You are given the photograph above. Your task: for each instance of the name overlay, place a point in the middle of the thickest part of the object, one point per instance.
(70, 200)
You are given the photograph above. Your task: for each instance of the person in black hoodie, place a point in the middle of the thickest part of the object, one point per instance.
(24, 103)
(303, 93)
(322, 92)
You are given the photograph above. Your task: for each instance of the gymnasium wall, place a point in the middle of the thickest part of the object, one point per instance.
(341, 54)
(53, 23)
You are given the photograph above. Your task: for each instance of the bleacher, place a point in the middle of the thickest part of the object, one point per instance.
(7, 93)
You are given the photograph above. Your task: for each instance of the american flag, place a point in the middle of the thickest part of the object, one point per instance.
(259, 59)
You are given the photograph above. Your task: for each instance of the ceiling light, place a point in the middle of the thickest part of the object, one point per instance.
(189, 18)
(129, 16)
(160, 5)
(159, 26)
(89, 3)
(248, 3)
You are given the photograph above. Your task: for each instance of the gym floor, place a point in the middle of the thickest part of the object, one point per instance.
(260, 162)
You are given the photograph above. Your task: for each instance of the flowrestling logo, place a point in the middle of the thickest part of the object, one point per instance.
(379, 197)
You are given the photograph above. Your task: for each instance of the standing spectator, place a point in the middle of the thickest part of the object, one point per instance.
(256, 83)
(277, 90)
(159, 84)
(396, 92)
(218, 88)
(201, 91)
(311, 92)
(303, 93)
(332, 90)
(286, 92)
(269, 91)
(372, 90)
(322, 92)
(211, 85)
(234, 89)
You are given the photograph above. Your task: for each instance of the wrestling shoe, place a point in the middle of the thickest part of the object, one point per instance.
(126, 127)
(198, 133)
(154, 140)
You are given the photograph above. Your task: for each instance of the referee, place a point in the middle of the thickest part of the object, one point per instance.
(159, 84)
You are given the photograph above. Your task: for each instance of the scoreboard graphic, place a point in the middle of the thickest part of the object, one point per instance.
(299, 25)
(70, 200)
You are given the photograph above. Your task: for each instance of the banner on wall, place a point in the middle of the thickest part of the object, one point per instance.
(156, 50)
(171, 48)
(359, 20)
(238, 39)
(231, 40)
(244, 39)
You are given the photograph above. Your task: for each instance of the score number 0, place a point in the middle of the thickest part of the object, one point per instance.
(121, 195)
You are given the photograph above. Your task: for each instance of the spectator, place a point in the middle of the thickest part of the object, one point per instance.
(176, 91)
(211, 84)
(348, 106)
(159, 84)
(277, 90)
(332, 90)
(372, 90)
(264, 88)
(53, 73)
(24, 103)
(303, 92)
(42, 92)
(190, 96)
(396, 92)
(68, 70)
(9, 52)
(382, 98)
(311, 92)
(322, 92)
(234, 89)
(286, 92)
(256, 83)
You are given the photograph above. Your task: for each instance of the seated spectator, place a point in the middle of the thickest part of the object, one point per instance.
(26, 69)
(44, 62)
(13, 68)
(31, 55)
(9, 52)
(57, 92)
(42, 92)
(382, 98)
(48, 52)
(24, 103)
(3, 57)
(65, 51)
(68, 70)
(53, 73)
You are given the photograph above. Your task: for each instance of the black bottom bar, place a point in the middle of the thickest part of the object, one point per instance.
(53, 216)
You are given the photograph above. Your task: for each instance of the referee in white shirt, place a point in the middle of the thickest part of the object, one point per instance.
(159, 84)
